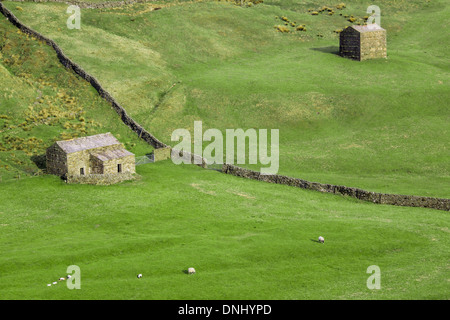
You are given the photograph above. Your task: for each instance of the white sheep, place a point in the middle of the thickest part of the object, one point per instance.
(321, 239)
(191, 270)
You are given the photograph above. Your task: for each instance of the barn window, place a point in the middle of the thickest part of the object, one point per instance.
(119, 167)
(82, 171)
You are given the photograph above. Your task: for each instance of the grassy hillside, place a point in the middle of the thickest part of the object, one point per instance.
(41, 102)
(378, 125)
(242, 246)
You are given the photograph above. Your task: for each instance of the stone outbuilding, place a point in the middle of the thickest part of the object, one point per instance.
(363, 42)
(101, 154)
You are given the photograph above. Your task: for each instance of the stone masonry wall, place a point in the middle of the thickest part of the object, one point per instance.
(90, 5)
(77, 160)
(128, 165)
(373, 45)
(374, 197)
(82, 159)
(161, 154)
(56, 160)
(349, 44)
(101, 179)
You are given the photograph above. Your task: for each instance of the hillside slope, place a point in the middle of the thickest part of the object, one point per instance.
(241, 245)
(41, 102)
(378, 125)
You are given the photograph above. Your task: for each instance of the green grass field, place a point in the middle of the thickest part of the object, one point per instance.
(241, 245)
(380, 125)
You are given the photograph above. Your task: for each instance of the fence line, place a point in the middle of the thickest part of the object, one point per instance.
(144, 160)
(374, 197)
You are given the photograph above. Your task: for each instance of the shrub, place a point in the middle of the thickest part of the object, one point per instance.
(282, 29)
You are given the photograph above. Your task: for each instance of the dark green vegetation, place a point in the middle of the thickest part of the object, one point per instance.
(241, 245)
(378, 125)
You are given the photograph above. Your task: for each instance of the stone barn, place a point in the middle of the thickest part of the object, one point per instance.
(101, 154)
(363, 42)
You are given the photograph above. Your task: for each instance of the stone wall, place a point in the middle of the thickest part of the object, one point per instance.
(90, 5)
(362, 45)
(95, 164)
(83, 159)
(77, 160)
(128, 165)
(161, 154)
(56, 160)
(349, 44)
(101, 179)
(373, 45)
(374, 197)
(188, 157)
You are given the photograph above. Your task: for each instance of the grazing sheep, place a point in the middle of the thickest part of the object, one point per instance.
(62, 279)
(191, 270)
(321, 239)
(139, 275)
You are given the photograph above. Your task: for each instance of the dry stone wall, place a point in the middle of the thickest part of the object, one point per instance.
(162, 154)
(374, 197)
(101, 179)
(90, 5)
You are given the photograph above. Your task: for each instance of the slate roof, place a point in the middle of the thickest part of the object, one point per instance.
(86, 143)
(112, 154)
